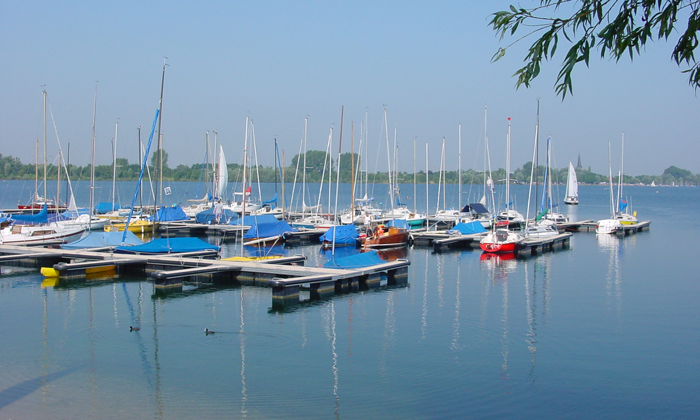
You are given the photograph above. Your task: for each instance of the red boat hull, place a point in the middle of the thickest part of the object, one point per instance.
(506, 247)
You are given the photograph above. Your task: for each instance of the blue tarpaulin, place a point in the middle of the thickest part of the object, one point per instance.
(344, 235)
(207, 216)
(168, 245)
(365, 259)
(265, 226)
(105, 207)
(170, 214)
(102, 239)
(41, 217)
(467, 228)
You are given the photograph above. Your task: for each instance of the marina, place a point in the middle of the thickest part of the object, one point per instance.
(479, 329)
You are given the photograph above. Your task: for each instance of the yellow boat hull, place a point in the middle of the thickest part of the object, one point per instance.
(139, 226)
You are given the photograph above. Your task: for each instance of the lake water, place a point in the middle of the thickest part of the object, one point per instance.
(608, 329)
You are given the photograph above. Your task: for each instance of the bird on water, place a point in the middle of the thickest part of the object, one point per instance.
(207, 331)
(134, 328)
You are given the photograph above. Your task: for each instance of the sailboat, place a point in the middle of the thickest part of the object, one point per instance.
(510, 215)
(548, 203)
(571, 186)
(623, 214)
(612, 224)
(396, 231)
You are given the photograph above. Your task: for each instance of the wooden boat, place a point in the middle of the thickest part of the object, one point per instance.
(392, 237)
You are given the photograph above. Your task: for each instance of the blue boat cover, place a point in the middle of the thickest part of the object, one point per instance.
(41, 217)
(477, 208)
(167, 245)
(207, 216)
(170, 214)
(364, 259)
(344, 235)
(102, 239)
(399, 223)
(467, 228)
(265, 226)
(106, 207)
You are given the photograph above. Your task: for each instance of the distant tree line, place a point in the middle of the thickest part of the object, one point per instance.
(12, 168)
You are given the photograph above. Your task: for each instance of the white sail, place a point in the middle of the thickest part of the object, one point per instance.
(572, 183)
(222, 173)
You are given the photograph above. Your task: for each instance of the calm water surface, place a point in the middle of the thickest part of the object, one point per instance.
(609, 328)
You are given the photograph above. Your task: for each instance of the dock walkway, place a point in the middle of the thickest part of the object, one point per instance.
(169, 271)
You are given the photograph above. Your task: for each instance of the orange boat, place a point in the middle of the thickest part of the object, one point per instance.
(392, 237)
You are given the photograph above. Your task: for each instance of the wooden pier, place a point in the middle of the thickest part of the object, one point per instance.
(458, 241)
(625, 230)
(169, 271)
(534, 246)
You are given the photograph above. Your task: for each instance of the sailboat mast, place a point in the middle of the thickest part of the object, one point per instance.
(36, 171)
(140, 181)
(415, 209)
(620, 179)
(159, 152)
(352, 168)
(388, 162)
(508, 167)
(536, 158)
(44, 97)
(303, 181)
(114, 162)
(459, 168)
(427, 209)
(92, 155)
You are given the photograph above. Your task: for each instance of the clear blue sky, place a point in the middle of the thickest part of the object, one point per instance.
(278, 62)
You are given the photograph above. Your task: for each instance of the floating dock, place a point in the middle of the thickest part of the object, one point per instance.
(534, 246)
(285, 275)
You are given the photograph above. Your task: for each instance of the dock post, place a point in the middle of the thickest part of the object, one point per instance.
(322, 290)
(342, 286)
(398, 277)
(370, 281)
(284, 296)
(166, 285)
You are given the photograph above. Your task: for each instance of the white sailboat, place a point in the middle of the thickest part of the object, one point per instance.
(571, 186)
(611, 225)
(509, 214)
(622, 208)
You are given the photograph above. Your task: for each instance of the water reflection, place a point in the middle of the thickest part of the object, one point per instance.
(612, 244)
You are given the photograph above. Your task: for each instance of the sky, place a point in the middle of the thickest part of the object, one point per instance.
(278, 62)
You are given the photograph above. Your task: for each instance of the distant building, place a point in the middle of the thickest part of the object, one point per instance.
(578, 165)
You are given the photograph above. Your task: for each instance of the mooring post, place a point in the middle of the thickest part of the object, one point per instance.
(322, 290)
(398, 277)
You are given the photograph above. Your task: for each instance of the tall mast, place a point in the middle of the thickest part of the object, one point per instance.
(159, 152)
(415, 208)
(44, 96)
(508, 167)
(303, 182)
(140, 159)
(352, 167)
(114, 162)
(388, 161)
(92, 155)
(459, 168)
